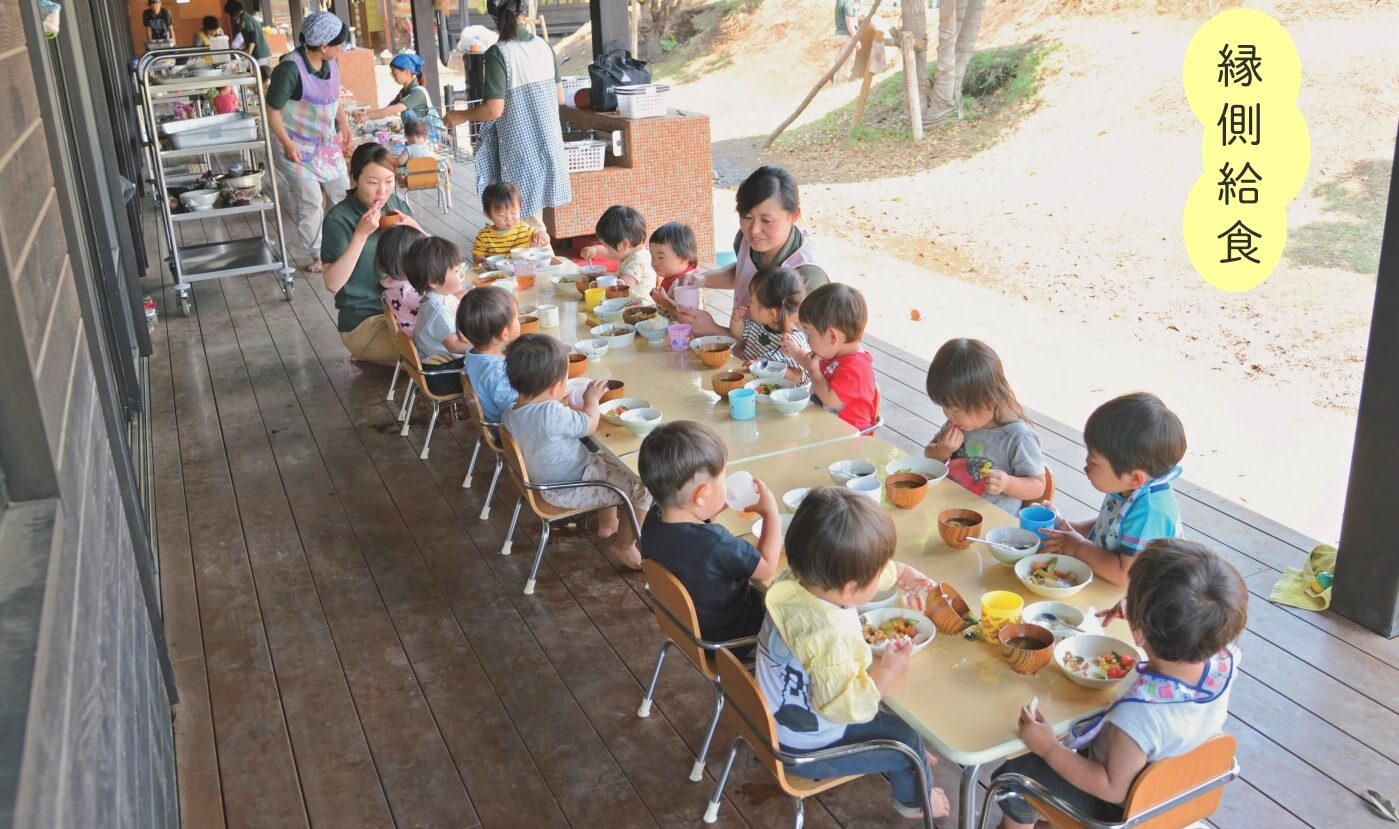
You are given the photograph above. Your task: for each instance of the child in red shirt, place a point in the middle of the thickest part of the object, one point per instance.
(673, 256)
(842, 372)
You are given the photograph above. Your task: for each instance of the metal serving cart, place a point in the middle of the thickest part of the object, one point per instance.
(184, 152)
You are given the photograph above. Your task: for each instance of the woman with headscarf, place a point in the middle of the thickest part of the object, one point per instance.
(521, 141)
(411, 102)
(303, 103)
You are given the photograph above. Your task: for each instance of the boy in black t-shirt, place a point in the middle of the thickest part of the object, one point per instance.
(682, 464)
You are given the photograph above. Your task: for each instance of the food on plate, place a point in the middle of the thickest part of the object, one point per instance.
(768, 388)
(565, 280)
(1045, 574)
(896, 628)
(618, 411)
(1113, 665)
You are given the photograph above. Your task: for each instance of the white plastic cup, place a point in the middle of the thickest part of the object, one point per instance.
(740, 490)
(548, 316)
(868, 485)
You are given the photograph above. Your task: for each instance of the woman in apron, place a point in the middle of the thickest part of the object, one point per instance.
(303, 102)
(411, 102)
(521, 141)
(769, 207)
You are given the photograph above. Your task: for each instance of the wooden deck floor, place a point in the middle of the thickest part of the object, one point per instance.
(351, 650)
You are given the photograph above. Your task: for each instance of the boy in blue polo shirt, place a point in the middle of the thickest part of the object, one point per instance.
(1135, 445)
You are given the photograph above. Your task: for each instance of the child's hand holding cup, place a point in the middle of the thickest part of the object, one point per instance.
(741, 492)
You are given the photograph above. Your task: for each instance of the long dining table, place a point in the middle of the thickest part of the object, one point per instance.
(959, 694)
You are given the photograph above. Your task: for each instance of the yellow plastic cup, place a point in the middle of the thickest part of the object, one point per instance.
(594, 297)
(998, 609)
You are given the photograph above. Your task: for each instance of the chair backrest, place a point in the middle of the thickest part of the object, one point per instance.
(421, 174)
(1165, 779)
(473, 402)
(515, 463)
(389, 318)
(1048, 488)
(413, 364)
(748, 713)
(676, 614)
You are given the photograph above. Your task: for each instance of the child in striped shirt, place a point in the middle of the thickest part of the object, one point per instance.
(770, 319)
(500, 202)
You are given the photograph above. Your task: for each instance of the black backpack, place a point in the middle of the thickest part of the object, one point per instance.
(611, 70)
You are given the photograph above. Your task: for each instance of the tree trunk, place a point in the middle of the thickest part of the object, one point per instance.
(968, 28)
(633, 27)
(944, 95)
(913, 20)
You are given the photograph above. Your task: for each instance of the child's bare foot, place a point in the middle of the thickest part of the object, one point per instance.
(626, 555)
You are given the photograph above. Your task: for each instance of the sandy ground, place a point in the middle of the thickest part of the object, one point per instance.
(1060, 245)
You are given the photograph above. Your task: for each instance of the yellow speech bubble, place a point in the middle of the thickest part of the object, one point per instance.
(1242, 75)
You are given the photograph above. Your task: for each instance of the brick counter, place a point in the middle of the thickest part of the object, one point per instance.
(666, 172)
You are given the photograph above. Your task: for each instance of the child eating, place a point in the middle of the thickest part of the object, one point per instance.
(550, 434)
(1186, 606)
(507, 231)
(821, 682)
(682, 465)
(489, 319)
(833, 318)
(1134, 445)
(770, 321)
(622, 231)
(394, 245)
(415, 142)
(673, 256)
(433, 267)
(987, 443)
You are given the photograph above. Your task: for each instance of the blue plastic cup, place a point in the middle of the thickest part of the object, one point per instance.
(1037, 519)
(743, 404)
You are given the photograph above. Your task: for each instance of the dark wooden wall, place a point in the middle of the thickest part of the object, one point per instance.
(85, 720)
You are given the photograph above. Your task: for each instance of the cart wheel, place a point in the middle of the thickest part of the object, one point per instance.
(182, 296)
(288, 286)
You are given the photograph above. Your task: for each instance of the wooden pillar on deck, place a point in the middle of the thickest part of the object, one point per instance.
(1367, 567)
(425, 43)
(611, 26)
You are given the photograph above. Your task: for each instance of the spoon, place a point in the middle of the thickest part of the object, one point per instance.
(1052, 619)
(1005, 547)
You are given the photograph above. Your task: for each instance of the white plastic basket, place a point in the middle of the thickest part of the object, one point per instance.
(571, 85)
(642, 100)
(585, 156)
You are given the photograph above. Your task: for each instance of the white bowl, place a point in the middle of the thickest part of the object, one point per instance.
(933, 470)
(592, 349)
(199, 199)
(868, 486)
(769, 369)
(500, 262)
(1012, 536)
(1072, 566)
(842, 471)
(606, 282)
(565, 283)
(792, 498)
(1090, 646)
(617, 334)
(653, 330)
(756, 385)
(921, 640)
(790, 401)
(1066, 618)
(758, 526)
(494, 277)
(698, 343)
(889, 598)
(641, 422)
(610, 310)
(609, 412)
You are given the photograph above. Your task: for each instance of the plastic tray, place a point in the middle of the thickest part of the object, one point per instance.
(228, 128)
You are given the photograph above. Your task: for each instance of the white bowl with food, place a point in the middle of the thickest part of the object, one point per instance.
(617, 334)
(500, 262)
(792, 498)
(1094, 660)
(641, 422)
(1053, 576)
(769, 369)
(1062, 620)
(653, 330)
(698, 344)
(610, 310)
(758, 526)
(933, 470)
(613, 410)
(842, 471)
(199, 199)
(885, 624)
(1022, 543)
(888, 598)
(765, 388)
(565, 285)
(790, 402)
(593, 349)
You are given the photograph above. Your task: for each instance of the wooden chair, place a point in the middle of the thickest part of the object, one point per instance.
(1168, 794)
(489, 431)
(413, 365)
(392, 323)
(546, 512)
(1048, 489)
(748, 713)
(427, 174)
(676, 617)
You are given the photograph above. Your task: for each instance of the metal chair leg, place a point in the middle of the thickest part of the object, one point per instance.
(538, 557)
(645, 710)
(798, 813)
(471, 467)
(514, 519)
(697, 771)
(711, 813)
(431, 424)
(490, 492)
(393, 384)
(407, 414)
(967, 796)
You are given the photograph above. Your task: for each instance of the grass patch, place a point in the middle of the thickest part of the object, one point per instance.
(694, 34)
(1352, 243)
(999, 88)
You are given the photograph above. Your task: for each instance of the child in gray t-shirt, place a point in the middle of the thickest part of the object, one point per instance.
(549, 435)
(1187, 606)
(987, 443)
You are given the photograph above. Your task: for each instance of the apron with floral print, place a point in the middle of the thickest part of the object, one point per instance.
(310, 123)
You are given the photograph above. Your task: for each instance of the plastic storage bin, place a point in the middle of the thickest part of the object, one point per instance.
(210, 130)
(642, 100)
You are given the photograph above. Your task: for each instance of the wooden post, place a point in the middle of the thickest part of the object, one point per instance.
(863, 58)
(634, 29)
(425, 36)
(915, 102)
(1367, 566)
(830, 73)
(609, 23)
